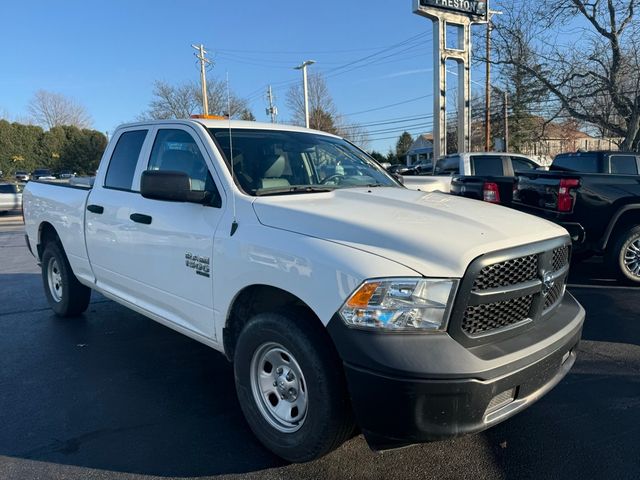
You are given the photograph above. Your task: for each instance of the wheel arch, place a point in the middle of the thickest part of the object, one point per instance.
(46, 233)
(626, 217)
(258, 298)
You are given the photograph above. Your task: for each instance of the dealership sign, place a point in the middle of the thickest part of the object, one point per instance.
(472, 8)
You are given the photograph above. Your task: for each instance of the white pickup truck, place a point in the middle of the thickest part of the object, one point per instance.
(470, 164)
(342, 298)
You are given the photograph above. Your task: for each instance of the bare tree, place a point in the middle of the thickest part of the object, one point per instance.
(594, 77)
(322, 110)
(182, 101)
(50, 109)
(323, 113)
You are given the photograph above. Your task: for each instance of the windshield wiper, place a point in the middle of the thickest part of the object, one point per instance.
(292, 190)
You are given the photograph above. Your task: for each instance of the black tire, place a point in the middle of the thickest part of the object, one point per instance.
(71, 298)
(328, 421)
(625, 245)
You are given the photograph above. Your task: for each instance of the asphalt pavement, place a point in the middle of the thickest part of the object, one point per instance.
(114, 395)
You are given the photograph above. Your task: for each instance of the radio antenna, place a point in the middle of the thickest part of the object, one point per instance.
(234, 223)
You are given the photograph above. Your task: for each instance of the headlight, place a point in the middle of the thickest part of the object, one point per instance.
(400, 304)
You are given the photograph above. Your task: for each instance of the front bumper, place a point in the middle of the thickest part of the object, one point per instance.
(396, 405)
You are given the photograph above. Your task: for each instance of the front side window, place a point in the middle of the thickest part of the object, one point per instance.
(522, 165)
(176, 150)
(124, 159)
(271, 162)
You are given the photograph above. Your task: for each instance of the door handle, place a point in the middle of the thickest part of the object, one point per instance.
(99, 209)
(141, 218)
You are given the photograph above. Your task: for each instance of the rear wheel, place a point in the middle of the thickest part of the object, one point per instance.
(625, 255)
(291, 386)
(66, 296)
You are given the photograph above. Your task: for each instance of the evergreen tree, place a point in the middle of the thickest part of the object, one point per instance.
(403, 145)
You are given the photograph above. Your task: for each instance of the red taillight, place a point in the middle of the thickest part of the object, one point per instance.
(490, 192)
(565, 200)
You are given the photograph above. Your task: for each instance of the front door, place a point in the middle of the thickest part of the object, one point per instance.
(173, 241)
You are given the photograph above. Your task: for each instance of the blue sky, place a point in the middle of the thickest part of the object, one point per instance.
(107, 55)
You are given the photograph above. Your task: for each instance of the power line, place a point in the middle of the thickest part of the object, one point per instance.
(389, 106)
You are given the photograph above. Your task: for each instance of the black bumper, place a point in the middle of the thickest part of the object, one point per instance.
(395, 406)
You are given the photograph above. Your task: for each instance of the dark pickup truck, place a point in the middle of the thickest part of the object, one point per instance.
(493, 176)
(596, 197)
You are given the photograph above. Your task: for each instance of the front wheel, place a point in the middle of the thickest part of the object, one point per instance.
(625, 255)
(291, 386)
(66, 296)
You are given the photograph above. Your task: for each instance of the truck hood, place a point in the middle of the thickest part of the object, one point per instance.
(435, 234)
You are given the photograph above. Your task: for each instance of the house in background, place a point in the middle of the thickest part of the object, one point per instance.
(564, 137)
(421, 150)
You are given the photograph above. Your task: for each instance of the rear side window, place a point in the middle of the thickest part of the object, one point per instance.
(448, 166)
(585, 163)
(7, 189)
(489, 165)
(624, 164)
(124, 160)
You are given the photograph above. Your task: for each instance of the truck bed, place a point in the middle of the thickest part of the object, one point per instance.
(595, 201)
(63, 206)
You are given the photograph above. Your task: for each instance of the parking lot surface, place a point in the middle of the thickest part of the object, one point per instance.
(113, 395)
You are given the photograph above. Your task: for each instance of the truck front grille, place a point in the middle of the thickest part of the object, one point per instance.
(502, 290)
(560, 257)
(554, 294)
(509, 272)
(482, 318)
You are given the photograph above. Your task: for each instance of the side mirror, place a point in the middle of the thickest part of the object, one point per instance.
(399, 178)
(171, 186)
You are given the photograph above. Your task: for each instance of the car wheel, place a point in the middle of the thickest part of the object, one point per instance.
(625, 255)
(66, 296)
(291, 386)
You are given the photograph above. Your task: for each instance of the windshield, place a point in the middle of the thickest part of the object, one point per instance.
(271, 162)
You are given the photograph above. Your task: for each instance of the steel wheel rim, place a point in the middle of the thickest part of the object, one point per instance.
(632, 257)
(54, 279)
(279, 388)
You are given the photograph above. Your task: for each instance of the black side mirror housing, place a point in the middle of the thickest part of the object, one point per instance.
(170, 186)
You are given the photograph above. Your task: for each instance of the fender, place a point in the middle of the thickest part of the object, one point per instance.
(614, 221)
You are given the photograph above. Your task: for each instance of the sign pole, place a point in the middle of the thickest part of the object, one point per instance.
(459, 15)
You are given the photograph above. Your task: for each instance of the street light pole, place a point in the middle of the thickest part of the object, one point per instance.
(303, 67)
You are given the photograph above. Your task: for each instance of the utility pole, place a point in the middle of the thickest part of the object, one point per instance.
(272, 109)
(506, 121)
(303, 67)
(487, 93)
(203, 76)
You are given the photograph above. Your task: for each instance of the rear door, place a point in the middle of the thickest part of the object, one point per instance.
(108, 228)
